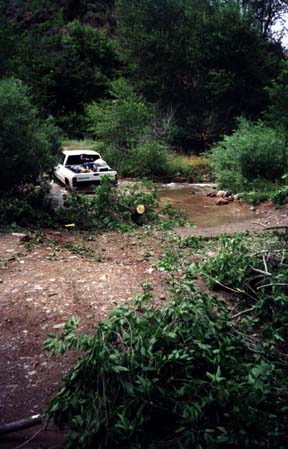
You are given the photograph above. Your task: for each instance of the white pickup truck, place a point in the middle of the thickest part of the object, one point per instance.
(82, 169)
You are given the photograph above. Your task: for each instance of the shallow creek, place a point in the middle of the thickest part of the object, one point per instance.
(202, 210)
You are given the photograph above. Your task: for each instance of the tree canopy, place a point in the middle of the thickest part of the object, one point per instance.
(28, 144)
(208, 61)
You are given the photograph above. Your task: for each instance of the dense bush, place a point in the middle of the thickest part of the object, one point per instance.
(179, 377)
(30, 207)
(252, 154)
(28, 145)
(148, 160)
(281, 194)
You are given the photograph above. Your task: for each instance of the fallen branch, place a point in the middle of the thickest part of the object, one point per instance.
(22, 424)
(277, 227)
(266, 273)
(243, 312)
(281, 284)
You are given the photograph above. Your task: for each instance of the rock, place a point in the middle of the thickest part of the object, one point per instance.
(59, 326)
(230, 198)
(238, 196)
(224, 193)
(23, 237)
(252, 208)
(180, 178)
(212, 193)
(221, 201)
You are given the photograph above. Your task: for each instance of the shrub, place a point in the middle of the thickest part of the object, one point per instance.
(149, 160)
(280, 195)
(253, 153)
(28, 145)
(27, 208)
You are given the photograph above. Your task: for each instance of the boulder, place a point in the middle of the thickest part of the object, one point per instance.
(221, 201)
(238, 196)
(212, 193)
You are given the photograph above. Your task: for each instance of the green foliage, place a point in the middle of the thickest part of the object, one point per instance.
(124, 129)
(28, 145)
(168, 262)
(252, 154)
(109, 208)
(69, 68)
(255, 270)
(278, 93)
(208, 60)
(121, 122)
(280, 196)
(7, 45)
(177, 377)
(26, 208)
(230, 266)
(148, 160)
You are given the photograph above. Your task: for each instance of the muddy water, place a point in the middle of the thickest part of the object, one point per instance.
(201, 209)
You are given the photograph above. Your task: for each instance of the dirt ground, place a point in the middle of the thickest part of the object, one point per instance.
(44, 283)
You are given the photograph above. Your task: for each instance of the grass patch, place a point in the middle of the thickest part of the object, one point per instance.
(194, 168)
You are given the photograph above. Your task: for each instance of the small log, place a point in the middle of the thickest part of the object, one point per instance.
(138, 215)
(22, 424)
(140, 209)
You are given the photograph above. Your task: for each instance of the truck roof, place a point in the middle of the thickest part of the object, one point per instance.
(79, 152)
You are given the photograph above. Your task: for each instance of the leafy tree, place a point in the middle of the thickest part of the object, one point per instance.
(278, 93)
(119, 122)
(267, 12)
(7, 45)
(27, 144)
(66, 68)
(207, 60)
